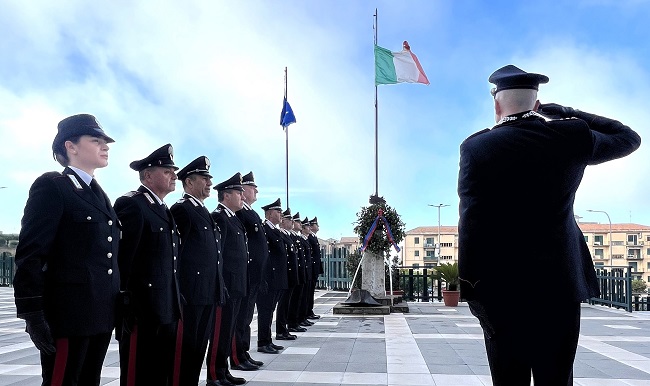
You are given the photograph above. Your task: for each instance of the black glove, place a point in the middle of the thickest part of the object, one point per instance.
(125, 318)
(39, 332)
(555, 111)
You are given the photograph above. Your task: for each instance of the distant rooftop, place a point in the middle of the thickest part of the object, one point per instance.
(585, 227)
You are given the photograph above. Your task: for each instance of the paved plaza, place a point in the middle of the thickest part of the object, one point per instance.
(431, 345)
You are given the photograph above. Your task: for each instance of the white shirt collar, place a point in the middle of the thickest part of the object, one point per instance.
(87, 178)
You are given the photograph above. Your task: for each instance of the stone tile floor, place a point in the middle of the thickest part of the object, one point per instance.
(430, 345)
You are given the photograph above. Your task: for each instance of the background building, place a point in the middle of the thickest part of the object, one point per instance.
(610, 245)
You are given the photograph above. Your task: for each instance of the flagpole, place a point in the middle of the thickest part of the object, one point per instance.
(376, 120)
(286, 132)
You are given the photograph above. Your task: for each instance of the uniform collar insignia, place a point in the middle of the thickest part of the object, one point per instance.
(75, 181)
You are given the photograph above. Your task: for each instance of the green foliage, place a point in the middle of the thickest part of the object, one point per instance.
(449, 273)
(379, 243)
(354, 259)
(639, 285)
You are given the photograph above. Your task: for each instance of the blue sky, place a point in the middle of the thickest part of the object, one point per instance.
(208, 77)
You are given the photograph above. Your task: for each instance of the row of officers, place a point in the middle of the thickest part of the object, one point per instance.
(178, 285)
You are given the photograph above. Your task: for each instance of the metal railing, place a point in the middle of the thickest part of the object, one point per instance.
(615, 284)
(7, 269)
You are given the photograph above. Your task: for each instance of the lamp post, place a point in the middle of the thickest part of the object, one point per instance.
(438, 244)
(611, 243)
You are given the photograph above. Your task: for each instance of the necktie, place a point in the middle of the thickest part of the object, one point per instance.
(94, 186)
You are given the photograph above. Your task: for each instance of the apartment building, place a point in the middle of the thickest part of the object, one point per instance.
(618, 245)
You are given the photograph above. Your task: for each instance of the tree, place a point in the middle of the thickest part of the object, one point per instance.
(639, 286)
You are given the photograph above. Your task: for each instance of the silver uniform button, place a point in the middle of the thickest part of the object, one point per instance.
(89, 218)
(109, 238)
(161, 229)
(149, 284)
(174, 257)
(109, 255)
(205, 227)
(198, 273)
(110, 222)
(110, 271)
(173, 244)
(174, 270)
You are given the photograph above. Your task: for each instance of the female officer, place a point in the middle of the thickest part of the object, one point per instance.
(67, 279)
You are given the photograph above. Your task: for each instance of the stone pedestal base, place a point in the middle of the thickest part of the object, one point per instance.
(372, 267)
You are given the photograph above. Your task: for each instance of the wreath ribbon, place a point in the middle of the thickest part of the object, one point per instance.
(373, 228)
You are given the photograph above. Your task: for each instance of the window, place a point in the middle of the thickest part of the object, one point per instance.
(598, 253)
(632, 239)
(633, 266)
(429, 254)
(587, 239)
(648, 266)
(647, 251)
(416, 265)
(417, 240)
(429, 265)
(598, 240)
(417, 253)
(599, 264)
(446, 245)
(634, 253)
(647, 238)
(429, 241)
(446, 257)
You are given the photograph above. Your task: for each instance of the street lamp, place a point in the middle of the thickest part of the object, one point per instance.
(611, 243)
(438, 244)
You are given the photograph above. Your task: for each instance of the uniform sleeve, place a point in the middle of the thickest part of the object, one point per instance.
(130, 215)
(39, 225)
(611, 139)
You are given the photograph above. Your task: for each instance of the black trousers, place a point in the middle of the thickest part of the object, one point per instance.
(282, 316)
(198, 321)
(266, 304)
(521, 337)
(294, 305)
(78, 361)
(147, 354)
(242, 342)
(221, 339)
(310, 297)
(304, 301)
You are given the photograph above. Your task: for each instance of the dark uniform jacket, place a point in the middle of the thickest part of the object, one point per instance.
(149, 257)
(258, 253)
(517, 183)
(292, 258)
(309, 265)
(234, 252)
(276, 273)
(317, 260)
(66, 259)
(300, 256)
(200, 263)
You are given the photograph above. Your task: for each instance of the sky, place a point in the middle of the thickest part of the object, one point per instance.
(208, 77)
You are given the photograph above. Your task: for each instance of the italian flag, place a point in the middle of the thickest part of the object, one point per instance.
(398, 67)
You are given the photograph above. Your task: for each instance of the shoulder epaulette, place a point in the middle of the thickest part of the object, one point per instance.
(193, 201)
(180, 201)
(478, 133)
(132, 193)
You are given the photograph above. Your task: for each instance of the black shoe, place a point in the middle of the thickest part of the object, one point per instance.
(245, 366)
(275, 346)
(253, 361)
(292, 336)
(268, 349)
(235, 380)
(305, 324)
(297, 329)
(221, 382)
(286, 336)
(313, 316)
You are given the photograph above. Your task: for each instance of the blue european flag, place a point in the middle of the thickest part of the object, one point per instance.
(287, 117)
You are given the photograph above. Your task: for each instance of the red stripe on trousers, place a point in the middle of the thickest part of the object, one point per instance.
(60, 360)
(215, 345)
(233, 354)
(177, 354)
(133, 349)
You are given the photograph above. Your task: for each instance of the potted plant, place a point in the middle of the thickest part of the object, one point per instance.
(449, 273)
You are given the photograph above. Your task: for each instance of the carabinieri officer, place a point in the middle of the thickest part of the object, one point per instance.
(148, 264)
(67, 279)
